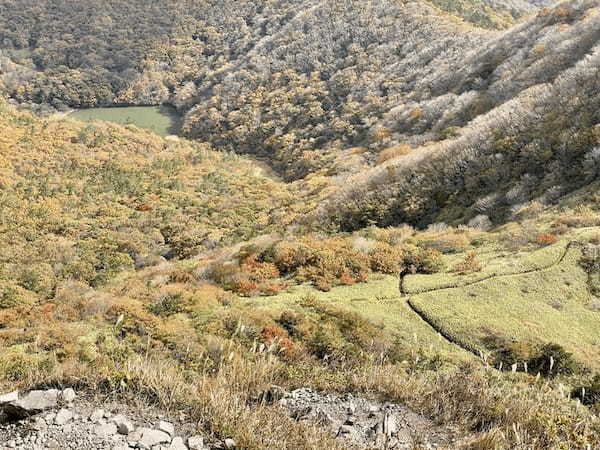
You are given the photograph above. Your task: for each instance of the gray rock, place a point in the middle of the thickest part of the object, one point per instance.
(229, 443)
(151, 438)
(68, 395)
(167, 427)
(96, 415)
(133, 438)
(9, 397)
(63, 416)
(121, 447)
(29, 404)
(124, 426)
(40, 424)
(196, 443)
(105, 430)
(177, 444)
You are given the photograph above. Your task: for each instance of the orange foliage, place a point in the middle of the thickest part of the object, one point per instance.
(546, 239)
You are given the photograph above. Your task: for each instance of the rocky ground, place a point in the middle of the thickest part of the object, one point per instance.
(56, 420)
(366, 423)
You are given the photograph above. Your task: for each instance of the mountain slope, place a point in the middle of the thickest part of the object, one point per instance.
(324, 80)
(536, 136)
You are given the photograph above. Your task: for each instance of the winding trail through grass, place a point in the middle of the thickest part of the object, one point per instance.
(447, 336)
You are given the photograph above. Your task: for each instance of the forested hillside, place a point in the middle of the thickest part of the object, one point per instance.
(53, 53)
(533, 138)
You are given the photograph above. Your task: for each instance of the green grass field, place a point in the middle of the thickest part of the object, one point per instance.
(550, 305)
(379, 301)
(494, 263)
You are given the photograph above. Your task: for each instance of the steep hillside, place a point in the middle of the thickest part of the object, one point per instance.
(53, 55)
(136, 53)
(323, 82)
(518, 126)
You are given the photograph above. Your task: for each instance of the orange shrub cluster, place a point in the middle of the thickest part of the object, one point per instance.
(469, 264)
(546, 239)
(249, 277)
(323, 262)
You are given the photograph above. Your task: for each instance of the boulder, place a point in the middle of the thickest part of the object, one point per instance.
(96, 415)
(63, 416)
(105, 430)
(177, 444)
(196, 443)
(152, 437)
(19, 407)
(167, 427)
(124, 426)
(68, 395)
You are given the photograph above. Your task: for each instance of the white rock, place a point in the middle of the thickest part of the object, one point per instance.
(229, 443)
(105, 430)
(96, 415)
(31, 403)
(63, 416)
(9, 397)
(68, 395)
(177, 444)
(40, 424)
(196, 443)
(133, 438)
(167, 427)
(153, 437)
(124, 426)
(390, 425)
(121, 447)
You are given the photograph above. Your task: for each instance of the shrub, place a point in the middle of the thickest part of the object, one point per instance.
(588, 394)
(259, 271)
(168, 304)
(386, 259)
(249, 277)
(271, 335)
(469, 264)
(505, 353)
(12, 295)
(38, 278)
(551, 360)
(291, 322)
(546, 239)
(419, 260)
(393, 152)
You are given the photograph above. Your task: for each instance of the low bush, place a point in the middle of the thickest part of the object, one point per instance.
(386, 259)
(419, 260)
(546, 239)
(393, 152)
(469, 264)
(551, 360)
(588, 394)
